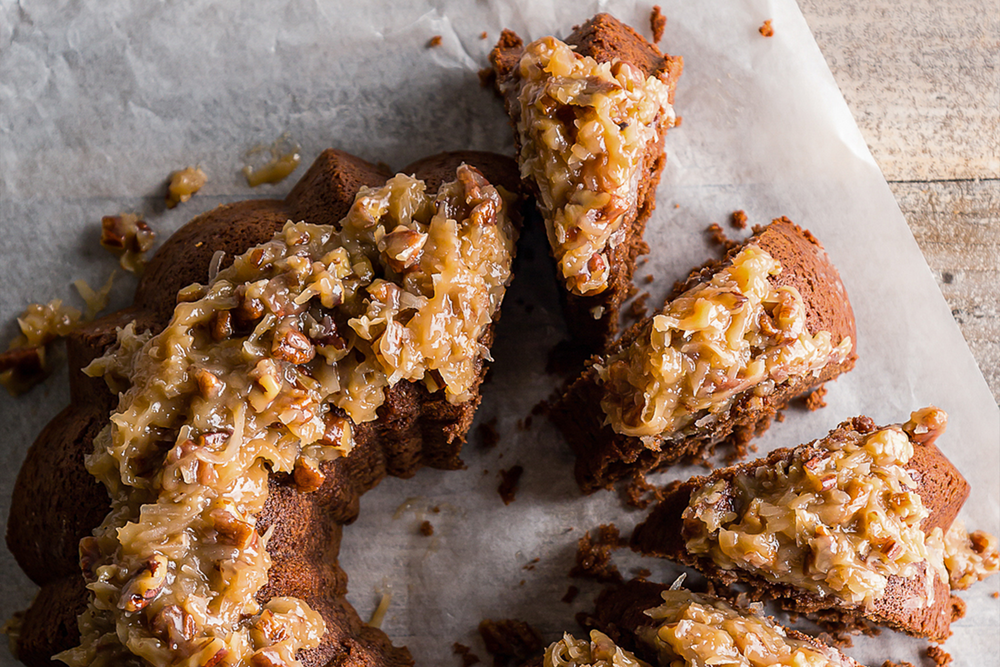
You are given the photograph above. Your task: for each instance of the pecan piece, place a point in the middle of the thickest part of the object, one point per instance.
(90, 554)
(324, 334)
(266, 629)
(144, 585)
(292, 345)
(402, 247)
(333, 434)
(232, 529)
(222, 325)
(267, 657)
(173, 625)
(307, 475)
(209, 384)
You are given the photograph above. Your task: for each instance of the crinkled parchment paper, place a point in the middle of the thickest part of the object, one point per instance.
(100, 101)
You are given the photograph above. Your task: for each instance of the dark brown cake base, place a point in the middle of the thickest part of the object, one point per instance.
(940, 486)
(604, 456)
(603, 38)
(56, 502)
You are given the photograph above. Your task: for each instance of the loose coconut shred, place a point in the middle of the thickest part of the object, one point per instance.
(266, 369)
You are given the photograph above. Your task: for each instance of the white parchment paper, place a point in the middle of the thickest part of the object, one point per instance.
(100, 101)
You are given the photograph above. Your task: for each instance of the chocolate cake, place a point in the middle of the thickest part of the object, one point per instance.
(56, 502)
(597, 272)
(917, 600)
(601, 413)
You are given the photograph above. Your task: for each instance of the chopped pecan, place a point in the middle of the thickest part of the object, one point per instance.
(144, 585)
(126, 232)
(292, 345)
(222, 325)
(173, 625)
(209, 384)
(324, 334)
(307, 475)
(333, 434)
(403, 247)
(231, 528)
(90, 554)
(267, 657)
(266, 629)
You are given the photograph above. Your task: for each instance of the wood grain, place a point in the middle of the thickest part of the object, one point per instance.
(922, 81)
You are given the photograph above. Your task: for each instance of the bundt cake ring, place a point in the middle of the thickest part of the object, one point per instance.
(241, 364)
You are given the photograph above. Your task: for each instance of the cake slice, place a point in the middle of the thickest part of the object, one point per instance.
(854, 529)
(733, 345)
(255, 410)
(643, 623)
(589, 117)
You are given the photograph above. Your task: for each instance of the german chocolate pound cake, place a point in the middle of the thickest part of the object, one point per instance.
(254, 410)
(589, 115)
(855, 529)
(733, 345)
(644, 623)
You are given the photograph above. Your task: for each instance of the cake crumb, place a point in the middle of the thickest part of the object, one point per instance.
(995, 595)
(677, 123)
(643, 572)
(638, 309)
(890, 663)
(530, 565)
(489, 436)
(593, 555)
(814, 400)
(510, 640)
(426, 528)
(739, 219)
(483, 35)
(718, 236)
(468, 657)
(648, 279)
(940, 657)
(508, 483)
(766, 29)
(657, 22)
(779, 416)
(958, 608)
(434, 41)
(640, 494)
(571, 594)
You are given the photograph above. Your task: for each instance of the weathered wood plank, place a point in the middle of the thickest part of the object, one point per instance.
(957, 225)
(920, 77)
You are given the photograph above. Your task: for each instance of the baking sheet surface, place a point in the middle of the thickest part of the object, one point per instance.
(100, 101)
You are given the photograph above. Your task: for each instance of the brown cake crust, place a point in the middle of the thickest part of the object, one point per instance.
(604, 456)
(942, 489)
(603, 38)
(56, 502)
(619, 613)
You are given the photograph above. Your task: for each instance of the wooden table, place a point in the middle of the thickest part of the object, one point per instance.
(922, 78)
